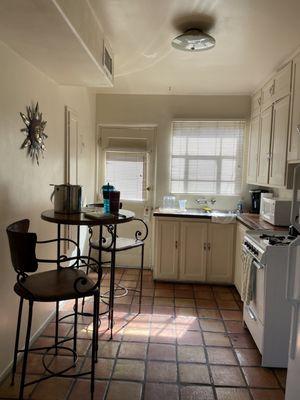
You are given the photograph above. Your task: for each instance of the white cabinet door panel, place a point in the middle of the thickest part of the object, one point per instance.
(264, 146)
(294, 134)
(193, 238)
(253, 150)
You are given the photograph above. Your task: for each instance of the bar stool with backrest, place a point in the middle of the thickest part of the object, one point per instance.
(122, 244)
(63, 283)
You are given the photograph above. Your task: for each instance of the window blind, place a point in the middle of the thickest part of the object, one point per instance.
(127, 172)
(207, 157)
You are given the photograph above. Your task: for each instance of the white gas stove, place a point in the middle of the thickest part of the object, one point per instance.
(268, 314)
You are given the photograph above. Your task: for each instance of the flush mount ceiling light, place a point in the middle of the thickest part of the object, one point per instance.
(193, 40)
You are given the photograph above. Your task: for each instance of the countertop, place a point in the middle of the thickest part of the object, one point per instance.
(252, 221)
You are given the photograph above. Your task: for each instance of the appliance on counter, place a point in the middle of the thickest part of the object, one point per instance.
(67, 198)
(293, 297)
(255, 199)
(268, 314)
(275, 211)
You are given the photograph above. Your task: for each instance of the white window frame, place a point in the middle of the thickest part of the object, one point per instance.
(218, 158)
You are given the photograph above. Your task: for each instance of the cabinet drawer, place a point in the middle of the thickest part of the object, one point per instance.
(254, 325)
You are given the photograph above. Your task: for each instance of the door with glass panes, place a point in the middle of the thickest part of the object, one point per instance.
(126, 160)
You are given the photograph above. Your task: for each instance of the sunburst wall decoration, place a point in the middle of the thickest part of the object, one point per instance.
(34, 131)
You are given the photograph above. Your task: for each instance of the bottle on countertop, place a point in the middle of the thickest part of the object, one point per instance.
(106, 189)
(240, 207)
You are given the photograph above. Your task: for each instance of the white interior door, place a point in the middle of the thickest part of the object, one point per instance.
(126, 160)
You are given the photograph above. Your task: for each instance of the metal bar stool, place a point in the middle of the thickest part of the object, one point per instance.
(118, 245)
(64, 283)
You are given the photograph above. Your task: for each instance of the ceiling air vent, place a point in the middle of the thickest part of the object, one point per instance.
(107, 61)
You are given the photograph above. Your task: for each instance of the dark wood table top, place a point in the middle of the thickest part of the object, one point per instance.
(81, 219)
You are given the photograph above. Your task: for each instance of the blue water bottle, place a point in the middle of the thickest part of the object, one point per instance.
(105, 191)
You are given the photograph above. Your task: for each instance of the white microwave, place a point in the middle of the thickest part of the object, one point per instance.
(276, 211)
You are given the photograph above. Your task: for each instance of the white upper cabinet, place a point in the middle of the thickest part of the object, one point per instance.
(267, 94)
(255, 104)
(294, 133)
(253, 149)
(282, 84)
(264, 146)
(279, 142)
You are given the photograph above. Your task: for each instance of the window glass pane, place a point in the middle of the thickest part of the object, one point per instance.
(202, 170)
(204, 146)
(210, 157)
(201, 187)
(178, 165)
(177, 187)
(228, 170)
(127, 173)
(227, 187)
(179, 146)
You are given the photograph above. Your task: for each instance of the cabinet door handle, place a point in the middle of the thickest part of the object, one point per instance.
(204, 246)
(259, 101)
(208, 246)
(298, 129)
(176, 244)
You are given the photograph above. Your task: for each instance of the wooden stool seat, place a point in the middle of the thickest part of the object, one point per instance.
(55, 285)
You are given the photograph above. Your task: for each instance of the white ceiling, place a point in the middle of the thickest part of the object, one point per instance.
(252, 38)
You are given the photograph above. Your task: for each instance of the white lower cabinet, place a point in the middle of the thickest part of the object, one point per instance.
(238, 268)
(193, 250)
(220, 253)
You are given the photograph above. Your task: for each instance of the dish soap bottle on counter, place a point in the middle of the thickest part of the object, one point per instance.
(239, 207)
(106, 189)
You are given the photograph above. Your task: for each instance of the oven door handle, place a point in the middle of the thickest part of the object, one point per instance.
(257, 265)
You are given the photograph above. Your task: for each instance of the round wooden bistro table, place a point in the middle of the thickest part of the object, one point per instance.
(101, 220)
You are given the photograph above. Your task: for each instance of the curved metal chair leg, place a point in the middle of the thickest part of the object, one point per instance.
(87, 271)
(75, 329)
(17, 341)
(22, 384)
(141, 281)
(94, 343)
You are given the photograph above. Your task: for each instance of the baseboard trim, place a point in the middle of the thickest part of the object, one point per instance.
(7, 370)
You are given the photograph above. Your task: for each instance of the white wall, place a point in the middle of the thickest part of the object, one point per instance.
(24, 186)
(161, 110)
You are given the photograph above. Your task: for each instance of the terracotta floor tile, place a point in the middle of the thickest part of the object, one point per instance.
(149, 292)
(161, 391)
(163, 352)
(81, 390)
(197, 393)
(228, 304)
(232, 394)
(129, 370)
(164, 285)
(192, 338)
(158, 371)
(227, 376)
(212, 325)
(248, 357)
(186, 311)
(281, 376)
(108, 349)
(52, 389)
(206, 303)
(218, 355)
(183, 322)
(226, 296)
(182, 286)
(63, 329)
(187, 294)
(160, 335)
(265, 394)
(230, 315)
(60, 363)
(191, 354)
(12, 392)
(208, 313)
(163, 301)
(193, 373)
(242, 340)
(204, 295)
(259, 377)
(181, 302)
(163, 310)
(235, 327)
(164, 293)
(34, 364)
(103, 368)
(133, 350)
(124, 391)
(216, 339)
